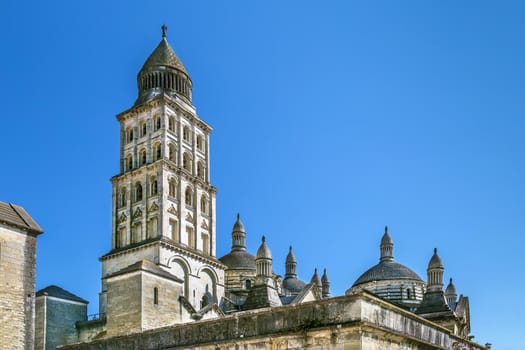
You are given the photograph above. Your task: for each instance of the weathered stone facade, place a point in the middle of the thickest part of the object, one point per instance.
(17, 277)
(350, 323)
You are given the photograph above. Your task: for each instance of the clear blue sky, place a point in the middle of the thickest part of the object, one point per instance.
(331, 120)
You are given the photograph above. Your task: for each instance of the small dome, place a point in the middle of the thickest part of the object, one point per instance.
(239, 260)
(290, 258)
(238, 226)
(263, 252)
(435, 261)
(387, 270)
(386, 238)
(316, 280)
(451, 289)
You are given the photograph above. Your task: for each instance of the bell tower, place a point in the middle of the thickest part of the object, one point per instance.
(163, 201)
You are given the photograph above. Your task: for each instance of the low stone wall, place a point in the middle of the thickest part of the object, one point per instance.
(350, 323)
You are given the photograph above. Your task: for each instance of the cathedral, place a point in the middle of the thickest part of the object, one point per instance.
(163, 286)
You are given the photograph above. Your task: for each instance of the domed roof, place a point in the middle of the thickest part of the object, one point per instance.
(387, 270)
(239, 260)
(451, 289)
(263, 252)
(293, 285)
(435, 261)
(163, 55)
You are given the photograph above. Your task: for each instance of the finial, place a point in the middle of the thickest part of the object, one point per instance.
(324, 272)
(451, 280)
(435, 250)
(238, 216)
(315, 271)
(263, 239)
(386, 229)
(290, 249)
(164, 29)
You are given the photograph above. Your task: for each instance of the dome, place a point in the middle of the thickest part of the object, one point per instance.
(435, 261)
(163, 72)
(451, 289)
(387, 270)
(263, 252)
(239, 260)
(293, 285)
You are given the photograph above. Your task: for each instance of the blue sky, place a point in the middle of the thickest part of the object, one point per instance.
(331, 120)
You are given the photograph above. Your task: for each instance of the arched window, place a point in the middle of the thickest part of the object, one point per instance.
(204, 301)
(129, 162)
(129, 135)
(188, 196)
(138, 192)
(186, 134)
(155, 296)
(204, 204)
(142, 157)
(172, 188)
(200, 170)
(199, 142)
(186, 162)
(171, 124)
(122, 197)
(154, 186)
(142, 127)
(156, 122)
(408, 293)
(172, 153)
(248, 284)
(157, 151)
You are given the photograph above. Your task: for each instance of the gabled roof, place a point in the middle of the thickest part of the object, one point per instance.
(57, 292)
(16, 216)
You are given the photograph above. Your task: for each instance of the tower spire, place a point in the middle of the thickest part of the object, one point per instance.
(164, 30)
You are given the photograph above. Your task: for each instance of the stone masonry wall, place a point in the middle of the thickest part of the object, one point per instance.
(17, 288)
(349, 323)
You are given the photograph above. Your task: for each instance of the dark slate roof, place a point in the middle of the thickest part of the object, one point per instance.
(14, 215)
(239, 260)
(293, 285)
(433, 303)
(163, 55)
(146, 265)
(57, 292)
(387, 270)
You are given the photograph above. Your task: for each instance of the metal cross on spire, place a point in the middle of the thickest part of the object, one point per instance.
(164, 29)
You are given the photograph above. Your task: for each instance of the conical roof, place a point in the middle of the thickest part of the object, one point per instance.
(435, 261)
(324, 279)
(163, 55)
(316, 280)
(263, 252)
(290, 258)
(238, 226)
(386, 239)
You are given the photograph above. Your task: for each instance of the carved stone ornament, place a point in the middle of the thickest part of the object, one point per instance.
(189, 217)
(204, 225)
(154, 207)
(137, 214)
(122, 218)
(172, 210)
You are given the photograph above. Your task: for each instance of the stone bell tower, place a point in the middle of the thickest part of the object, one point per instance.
(163, 202)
